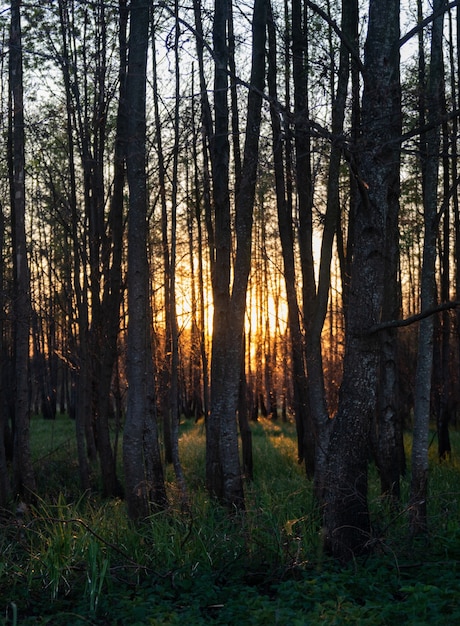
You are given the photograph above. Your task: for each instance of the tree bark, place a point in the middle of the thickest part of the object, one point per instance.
(24, 479)
(4, 479)
(223, 471)
(346, 516)
(305, 443)
(141, 454)
(430, 143)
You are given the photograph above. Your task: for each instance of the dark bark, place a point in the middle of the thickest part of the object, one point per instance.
(430, 143)
(174, 391)
(346, 516)
(112, 294)
(304, 188)
(223, 472)
(4, 480)
(141, 454)
(318, 311)
(304, 427)
(444, 340)
(85, 441)
(23, 474)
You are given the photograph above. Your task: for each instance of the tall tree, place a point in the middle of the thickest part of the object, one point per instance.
(285, 219)
(223, 472)
(141, 453)
(24, 480)
(304, 188)
(4, 481)
(430, 143)
(346, 515)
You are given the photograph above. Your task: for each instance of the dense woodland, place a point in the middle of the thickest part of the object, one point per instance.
(219, 211)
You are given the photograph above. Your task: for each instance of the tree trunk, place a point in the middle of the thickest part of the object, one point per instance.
(4, 480)
(24, 480)
(223, 472)
(423, 377)
(304, 187)
(141, 454)
(346, 516)
(305, 443)
(85, 441)
(112, 294)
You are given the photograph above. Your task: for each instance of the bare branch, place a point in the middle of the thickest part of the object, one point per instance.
(412, 319)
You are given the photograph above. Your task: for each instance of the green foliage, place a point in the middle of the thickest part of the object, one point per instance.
(74, 559)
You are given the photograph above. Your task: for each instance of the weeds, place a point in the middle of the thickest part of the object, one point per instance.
(74, 559)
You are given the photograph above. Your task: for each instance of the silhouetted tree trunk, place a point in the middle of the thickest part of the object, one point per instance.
(223, 472)
(430, 142)
(304, 188)
(141, 454)
(24, 480)
(387, 435)
(305, 442)
(174, 390)
(445, 371)
(81, 380)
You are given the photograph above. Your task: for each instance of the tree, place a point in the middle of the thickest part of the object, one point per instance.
(24, 480)
(223, 472)
(285, 218)
(346, 516)
(141, 453)
(430, 142)
(4, 482)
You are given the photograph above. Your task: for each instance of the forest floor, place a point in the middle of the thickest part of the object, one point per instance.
(74, 559)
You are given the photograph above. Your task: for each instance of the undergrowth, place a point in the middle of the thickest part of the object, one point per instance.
(73, 558)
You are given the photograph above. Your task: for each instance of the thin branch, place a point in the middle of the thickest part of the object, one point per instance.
(412, 319)
(426, 21)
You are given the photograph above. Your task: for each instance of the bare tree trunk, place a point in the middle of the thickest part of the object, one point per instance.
(85, 441)
(24, 480)
(4, 480)
(304, 188)
(305, 445)
(346, 516)
(174, 391)
(223, 472)
(446, 368)
(430, 173)
(315, 323)
(143, 469)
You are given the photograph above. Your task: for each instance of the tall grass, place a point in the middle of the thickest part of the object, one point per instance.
(75, 550)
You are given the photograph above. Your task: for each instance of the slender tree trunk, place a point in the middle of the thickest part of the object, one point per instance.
(24, 480)
(165, 368)
(315, 323)
(304, 188)
(85, 442)
(111, 249)
(223, 472)
(445, 370)
(284, 207)
(174, 391)
(423, 376)
(141, 454)
(4, 480)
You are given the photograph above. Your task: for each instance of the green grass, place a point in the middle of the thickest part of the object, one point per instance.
(75, 559)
